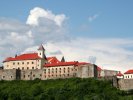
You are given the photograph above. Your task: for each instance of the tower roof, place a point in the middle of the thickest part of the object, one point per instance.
(63, 59)
(41, 47)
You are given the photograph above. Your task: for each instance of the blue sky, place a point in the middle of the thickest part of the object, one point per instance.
(114, 18)
(76, 29)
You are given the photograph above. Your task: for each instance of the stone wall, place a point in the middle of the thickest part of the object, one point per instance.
(31, 74)
(125, 84)
(8, 74)
(83, 71)
(87, 71)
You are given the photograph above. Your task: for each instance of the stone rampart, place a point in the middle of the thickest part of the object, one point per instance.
(125, 84)
(8, 74)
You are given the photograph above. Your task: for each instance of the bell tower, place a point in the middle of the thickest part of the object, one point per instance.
(41, 51)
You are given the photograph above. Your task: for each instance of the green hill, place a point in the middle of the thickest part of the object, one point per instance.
(61, 89)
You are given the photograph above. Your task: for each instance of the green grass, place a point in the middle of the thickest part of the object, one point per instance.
(61, 89)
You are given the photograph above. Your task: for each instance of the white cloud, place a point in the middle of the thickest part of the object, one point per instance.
(37, 13)
(91, 18)
(15, 36)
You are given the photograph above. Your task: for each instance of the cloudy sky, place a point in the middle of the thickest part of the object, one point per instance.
(83, 30)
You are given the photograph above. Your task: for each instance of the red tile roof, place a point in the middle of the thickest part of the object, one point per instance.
(129, 72)
(60, 64)
(119, 74)
(98, 68)
(82, 63)
(52, 60)
(29, 56)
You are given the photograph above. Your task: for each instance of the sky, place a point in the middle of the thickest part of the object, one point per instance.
(84, 30)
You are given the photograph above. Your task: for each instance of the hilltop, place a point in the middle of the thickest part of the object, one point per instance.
(61, 89)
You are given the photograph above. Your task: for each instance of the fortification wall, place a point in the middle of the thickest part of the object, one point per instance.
(125, 84)
(86, 71)
(8, 74)
(31, 74)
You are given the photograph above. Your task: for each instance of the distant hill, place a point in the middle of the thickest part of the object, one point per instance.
(61, 89)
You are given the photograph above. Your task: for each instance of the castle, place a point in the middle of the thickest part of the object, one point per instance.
(36, 65)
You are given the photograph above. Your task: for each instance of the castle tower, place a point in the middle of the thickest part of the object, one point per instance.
(41, 52)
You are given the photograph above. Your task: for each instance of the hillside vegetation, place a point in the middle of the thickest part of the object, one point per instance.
(61, 89)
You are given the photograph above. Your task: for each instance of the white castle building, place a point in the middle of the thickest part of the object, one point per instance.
(36, 65)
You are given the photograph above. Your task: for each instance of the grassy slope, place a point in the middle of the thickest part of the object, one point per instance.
(61, 89)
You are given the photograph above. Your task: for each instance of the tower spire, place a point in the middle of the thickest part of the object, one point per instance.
(63, 59)
(41, 47)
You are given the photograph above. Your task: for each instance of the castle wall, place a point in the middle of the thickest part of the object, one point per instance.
(107, 73)
(31, 74)
(83, 71)
(86, 71)
(48, 73)
(125, 84)
(8, 74)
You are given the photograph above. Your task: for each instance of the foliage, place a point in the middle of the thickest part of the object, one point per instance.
(61, 89)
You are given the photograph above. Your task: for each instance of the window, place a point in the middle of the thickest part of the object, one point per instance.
(11, 76)
(28, 75)
(3, 76)
(27, 62)
(22, 68)
(40, 53)
(33, 75)
(32, 62)
(32, 67)
(48, 70)
(24, 76)
(27, 67)
(18, 63)
(40, 75)
(72, 69)
(13, 63)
